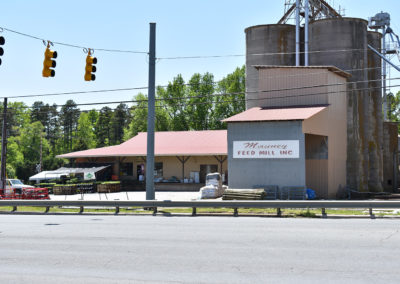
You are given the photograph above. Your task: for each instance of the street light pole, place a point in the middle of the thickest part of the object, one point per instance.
(151, 115)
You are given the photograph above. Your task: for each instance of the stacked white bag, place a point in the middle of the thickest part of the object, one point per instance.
(213, 187)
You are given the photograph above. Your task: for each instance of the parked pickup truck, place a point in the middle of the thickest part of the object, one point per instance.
(16, 184)
(16, 189)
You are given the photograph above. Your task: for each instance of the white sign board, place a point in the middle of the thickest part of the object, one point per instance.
(89, 176)
(277, 149)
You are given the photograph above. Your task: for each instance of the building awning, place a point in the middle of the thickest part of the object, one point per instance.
(56, 174)
(275, 114)
(166, 143)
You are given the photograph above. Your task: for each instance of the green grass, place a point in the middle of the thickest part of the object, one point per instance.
(308, 213)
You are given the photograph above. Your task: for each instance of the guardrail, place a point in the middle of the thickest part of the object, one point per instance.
(234, 204)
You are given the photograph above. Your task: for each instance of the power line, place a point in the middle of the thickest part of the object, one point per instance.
(234, 93)
(218, 102)
(77, 92)
(263, 54)
(165, 86)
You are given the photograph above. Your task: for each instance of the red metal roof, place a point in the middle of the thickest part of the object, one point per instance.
(168, 143)
(274, 114)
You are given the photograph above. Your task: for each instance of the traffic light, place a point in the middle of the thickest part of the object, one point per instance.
(90, 69)
(2, 41)
(49, 63)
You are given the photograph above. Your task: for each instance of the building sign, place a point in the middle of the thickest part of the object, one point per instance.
(89, 176)
(278, 149)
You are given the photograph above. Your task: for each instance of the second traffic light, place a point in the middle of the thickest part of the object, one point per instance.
(49, 63)
(2, 41)
(90, 69)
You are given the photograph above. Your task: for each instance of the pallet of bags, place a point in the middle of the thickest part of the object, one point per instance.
(213, 187)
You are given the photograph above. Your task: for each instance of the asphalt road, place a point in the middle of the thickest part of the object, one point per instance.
(147, 249)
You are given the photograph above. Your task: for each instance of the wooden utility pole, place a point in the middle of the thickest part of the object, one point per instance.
(4, 146)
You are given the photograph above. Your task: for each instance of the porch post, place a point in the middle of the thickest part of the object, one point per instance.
(183, 160)
(221, 161)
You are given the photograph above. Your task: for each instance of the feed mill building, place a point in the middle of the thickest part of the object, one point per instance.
(312, 119)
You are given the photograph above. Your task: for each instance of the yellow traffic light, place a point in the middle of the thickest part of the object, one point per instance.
(90, 69)
(2, 41)
(49, 63)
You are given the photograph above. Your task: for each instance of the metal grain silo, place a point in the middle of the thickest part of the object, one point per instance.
(267, 45)
(343, 43)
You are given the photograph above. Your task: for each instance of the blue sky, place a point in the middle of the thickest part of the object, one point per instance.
(184, 28)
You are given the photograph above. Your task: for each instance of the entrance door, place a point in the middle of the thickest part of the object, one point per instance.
(206, 169)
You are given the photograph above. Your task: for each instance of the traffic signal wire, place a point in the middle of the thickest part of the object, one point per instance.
(73, 45)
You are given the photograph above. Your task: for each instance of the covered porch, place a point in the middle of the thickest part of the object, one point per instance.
(182, 159)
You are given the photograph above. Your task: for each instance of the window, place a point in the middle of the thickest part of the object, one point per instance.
(158, 170)
(126, 169)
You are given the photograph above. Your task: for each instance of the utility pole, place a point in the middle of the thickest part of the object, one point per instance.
(4, 146)
(151, 115)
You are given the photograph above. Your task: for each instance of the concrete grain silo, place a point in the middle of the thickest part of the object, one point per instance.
(343, 43)
(375, 143)
(333, 41)
(261, 41)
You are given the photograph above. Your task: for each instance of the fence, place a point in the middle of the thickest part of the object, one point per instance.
(235, 205)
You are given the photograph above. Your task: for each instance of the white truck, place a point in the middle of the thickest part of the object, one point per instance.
(16, 184)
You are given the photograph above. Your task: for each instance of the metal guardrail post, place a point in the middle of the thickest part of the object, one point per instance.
(324, 215)
(116, 209)
(235, 212)
(371, 213)
(154, 211)
(194, 211)
(278, 212)
(81, 208)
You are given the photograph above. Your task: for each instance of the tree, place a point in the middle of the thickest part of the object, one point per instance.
(39, 112)
(175, 102)
(18, 117)
(53, 130)
(200, 107)
(230, 99)
(119, 121)
(103, 127)
(138, 117)
(93, 116)
(69, 116)
(48, 116)
(393, 102)
(30, 143)
(15, 158)
(84, 138)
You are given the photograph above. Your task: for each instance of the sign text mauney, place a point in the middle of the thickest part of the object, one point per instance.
(277, 149)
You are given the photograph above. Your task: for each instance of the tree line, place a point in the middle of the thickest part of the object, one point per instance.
(44, 130)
